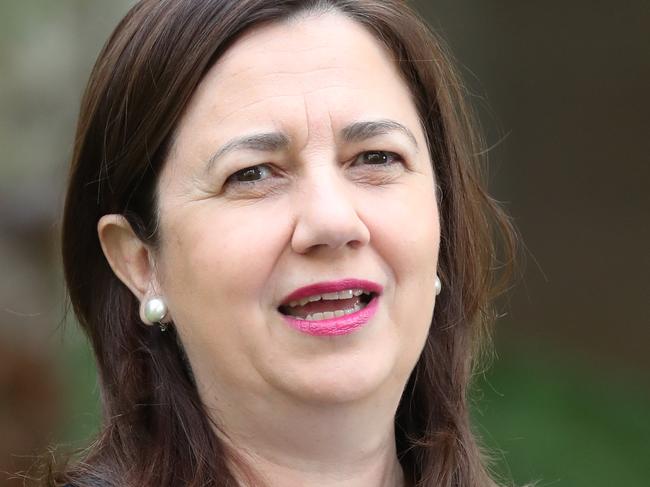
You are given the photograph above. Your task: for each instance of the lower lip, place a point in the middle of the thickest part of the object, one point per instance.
(343, 325)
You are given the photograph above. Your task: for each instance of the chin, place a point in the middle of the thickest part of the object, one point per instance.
(340, 379)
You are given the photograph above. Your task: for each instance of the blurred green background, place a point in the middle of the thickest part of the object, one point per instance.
(562, 92)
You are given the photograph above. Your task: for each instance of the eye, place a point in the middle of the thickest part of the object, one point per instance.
(250, 175)
(377, 158)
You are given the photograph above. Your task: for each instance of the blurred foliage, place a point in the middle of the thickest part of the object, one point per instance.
(550, 418)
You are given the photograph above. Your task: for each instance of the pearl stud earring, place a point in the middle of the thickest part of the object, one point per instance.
(438, 285)
(154, 311)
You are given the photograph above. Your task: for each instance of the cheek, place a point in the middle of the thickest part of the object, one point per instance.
(216, 263)
(407, 236)
(407, 232)
(215, 258)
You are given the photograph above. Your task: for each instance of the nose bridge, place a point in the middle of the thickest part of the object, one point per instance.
(326, 211)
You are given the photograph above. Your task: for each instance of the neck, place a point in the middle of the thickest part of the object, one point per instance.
(320, 445)
(276, 469)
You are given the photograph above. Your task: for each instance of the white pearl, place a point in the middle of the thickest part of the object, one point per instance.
(438, 285)
(155, 310)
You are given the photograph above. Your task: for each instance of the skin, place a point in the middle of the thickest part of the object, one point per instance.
(307, 410)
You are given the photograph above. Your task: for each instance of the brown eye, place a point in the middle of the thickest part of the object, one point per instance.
(378, 158)
(249, 175)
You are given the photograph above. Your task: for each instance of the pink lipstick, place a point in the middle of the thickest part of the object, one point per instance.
(365, 298)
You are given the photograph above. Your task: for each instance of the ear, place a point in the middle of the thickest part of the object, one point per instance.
(128, 256)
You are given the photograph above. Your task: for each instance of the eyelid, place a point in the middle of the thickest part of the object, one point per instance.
(230, 178)
(396, 156)
(257, 188)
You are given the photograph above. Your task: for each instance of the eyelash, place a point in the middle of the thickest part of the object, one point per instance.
(396, 159)
(232, 178)
(386, 155)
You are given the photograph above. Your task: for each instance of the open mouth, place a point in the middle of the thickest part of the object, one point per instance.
(328, 305)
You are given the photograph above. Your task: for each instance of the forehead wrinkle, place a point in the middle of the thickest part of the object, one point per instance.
(233, 112)
(232, 61)
(302, 76)
(265, 99)
(261, 90)
(235, 80)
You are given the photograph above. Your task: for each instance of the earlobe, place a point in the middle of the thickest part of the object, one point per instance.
(127, 255)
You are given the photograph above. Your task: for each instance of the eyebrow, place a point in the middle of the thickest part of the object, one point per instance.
(275, 141)
(262, 142)
(360, 131)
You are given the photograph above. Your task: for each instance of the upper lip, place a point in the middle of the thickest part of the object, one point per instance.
(332, 286)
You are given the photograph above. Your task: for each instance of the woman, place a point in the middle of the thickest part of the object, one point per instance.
(286, 193)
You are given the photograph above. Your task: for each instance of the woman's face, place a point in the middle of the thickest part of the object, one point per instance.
(299, 160)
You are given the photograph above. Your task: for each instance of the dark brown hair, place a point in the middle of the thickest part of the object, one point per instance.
(155, 430)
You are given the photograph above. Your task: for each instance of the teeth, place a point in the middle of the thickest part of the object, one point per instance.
(331, 314)
(346, 294)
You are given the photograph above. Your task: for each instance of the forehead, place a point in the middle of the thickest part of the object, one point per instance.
(311, 72)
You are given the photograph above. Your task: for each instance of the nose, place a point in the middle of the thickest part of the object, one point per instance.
(327, 214)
